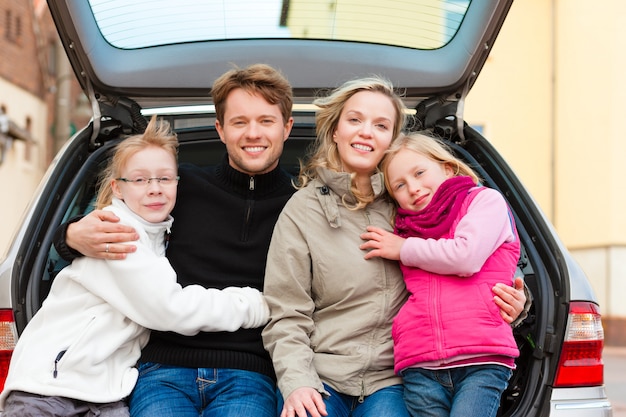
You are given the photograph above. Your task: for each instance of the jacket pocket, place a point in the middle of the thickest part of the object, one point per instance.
(75, 352)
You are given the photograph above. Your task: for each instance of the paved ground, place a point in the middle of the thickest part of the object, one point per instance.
(615, 378)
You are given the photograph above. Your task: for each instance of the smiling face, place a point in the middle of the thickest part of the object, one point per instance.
(364, 131)
(154, 201)
(414, 178)
(253, 131)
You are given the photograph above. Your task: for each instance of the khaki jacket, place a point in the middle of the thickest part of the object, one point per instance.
(331, 310)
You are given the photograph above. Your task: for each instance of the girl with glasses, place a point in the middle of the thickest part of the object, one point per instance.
(77, 355)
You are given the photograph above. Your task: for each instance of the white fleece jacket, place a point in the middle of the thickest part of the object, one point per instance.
(85, 340)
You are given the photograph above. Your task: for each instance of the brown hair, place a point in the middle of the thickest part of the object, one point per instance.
(157, 134)
(259, 79)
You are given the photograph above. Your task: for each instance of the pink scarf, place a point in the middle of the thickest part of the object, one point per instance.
(434, 220)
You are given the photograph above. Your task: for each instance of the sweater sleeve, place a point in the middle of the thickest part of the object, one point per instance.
(287, 289)
(60, 243)
(485, 227)
(143, 287)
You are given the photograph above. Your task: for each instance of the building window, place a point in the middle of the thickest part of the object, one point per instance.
(8, 23)
(479, 128)
(284, 14)
(18, 28)
(28, 148)
(13, 27)
(52, 58)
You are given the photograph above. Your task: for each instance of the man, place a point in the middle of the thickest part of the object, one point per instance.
(224, 219)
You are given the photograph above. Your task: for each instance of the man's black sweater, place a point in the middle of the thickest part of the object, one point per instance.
(223, 223)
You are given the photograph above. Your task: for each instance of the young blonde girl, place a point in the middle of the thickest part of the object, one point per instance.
(77, 355)
(455, 240)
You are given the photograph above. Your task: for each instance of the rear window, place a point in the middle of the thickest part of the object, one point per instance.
(419, 24)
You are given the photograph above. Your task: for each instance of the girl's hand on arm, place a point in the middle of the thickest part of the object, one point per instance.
(381, 243)
(98, 234)
(511, 300)
(302, 400)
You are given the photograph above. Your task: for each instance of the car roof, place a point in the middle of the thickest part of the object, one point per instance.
(160, 52)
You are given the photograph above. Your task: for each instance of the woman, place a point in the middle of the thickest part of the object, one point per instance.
(329, 333)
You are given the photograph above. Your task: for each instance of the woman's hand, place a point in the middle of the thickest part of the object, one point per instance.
(511, 300)
(98, 234)
(302, 400)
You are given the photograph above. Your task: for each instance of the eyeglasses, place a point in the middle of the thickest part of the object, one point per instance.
(144, 182)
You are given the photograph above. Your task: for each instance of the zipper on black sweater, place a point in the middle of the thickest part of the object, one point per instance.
(248, 210)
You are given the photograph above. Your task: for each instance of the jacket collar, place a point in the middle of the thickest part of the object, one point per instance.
(157, 233)
(340, 183)
(150, 227)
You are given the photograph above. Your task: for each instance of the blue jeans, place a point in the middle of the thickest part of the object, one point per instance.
(170, 391)
(458, 392)
(386, 402)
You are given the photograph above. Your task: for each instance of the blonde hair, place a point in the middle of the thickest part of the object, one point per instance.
(157, 134)
(429, 146)
(324, 151)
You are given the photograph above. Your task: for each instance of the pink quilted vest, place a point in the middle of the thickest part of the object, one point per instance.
(447, 317)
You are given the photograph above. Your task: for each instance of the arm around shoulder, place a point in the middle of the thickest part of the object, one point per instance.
(99, 235)
(60, 244)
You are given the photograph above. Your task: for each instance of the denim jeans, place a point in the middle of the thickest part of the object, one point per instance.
(386, 402)
(458, 392)
(170, 391)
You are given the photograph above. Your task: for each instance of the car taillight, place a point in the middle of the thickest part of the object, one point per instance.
(581, 357)
(7, 343)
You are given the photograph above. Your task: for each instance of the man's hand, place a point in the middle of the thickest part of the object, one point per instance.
(302, 400)
(511, 300)
(98, 234)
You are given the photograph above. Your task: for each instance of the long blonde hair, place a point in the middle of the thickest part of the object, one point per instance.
(157, 134)
(425, 144)
(324, 151)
